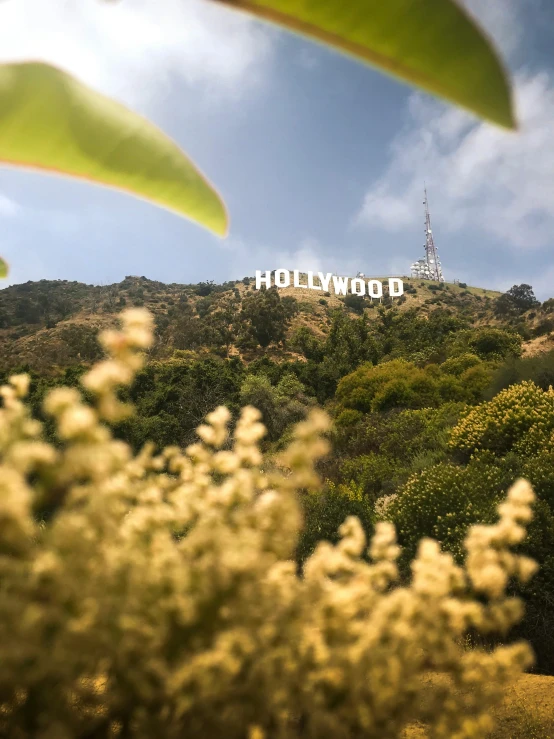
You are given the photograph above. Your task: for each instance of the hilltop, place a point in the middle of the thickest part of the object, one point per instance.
(47, 325)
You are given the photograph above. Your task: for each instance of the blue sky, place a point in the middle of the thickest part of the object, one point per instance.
(320, 160)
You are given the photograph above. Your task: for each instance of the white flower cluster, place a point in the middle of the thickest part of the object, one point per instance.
(161, 598)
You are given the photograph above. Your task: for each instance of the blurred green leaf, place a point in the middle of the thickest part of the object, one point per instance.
(433, 44)
(51, 122)
(3, 269)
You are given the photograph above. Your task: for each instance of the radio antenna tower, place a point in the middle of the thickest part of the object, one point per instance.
(431, 253)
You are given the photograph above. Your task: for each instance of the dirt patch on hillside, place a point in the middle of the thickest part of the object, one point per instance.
(540, 345)
(526, 712)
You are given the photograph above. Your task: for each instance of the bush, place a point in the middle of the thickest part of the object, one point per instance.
(544, 327)
(457, 365)
(324, 515)
(486, 343)
(369, 472)
(443, 501)
(356, 303)
(400, 384)
(519, 418)
(389, 385)
(517, 300)
(538, 369)
(280, 406)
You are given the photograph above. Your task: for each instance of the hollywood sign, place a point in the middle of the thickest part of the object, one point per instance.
(341, 285)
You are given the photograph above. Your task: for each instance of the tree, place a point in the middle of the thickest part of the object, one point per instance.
(267, 317)
(516, 300)
(395, 384)
(279, 405)
(487, 343)
(224, 320)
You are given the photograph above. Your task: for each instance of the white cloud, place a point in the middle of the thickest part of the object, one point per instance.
(480, 179)
(8, 207)
(131, 49)
(502, 20)
(309, 255)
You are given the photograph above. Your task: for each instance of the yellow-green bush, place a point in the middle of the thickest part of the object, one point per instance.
(486, 342)
(369, 473)
(400, 384)
(394, 384)
(520, 418)
(443, 501)
(459, 364)
(161, 598)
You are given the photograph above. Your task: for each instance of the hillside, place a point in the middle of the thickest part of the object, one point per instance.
(51, 324)
(434, 399)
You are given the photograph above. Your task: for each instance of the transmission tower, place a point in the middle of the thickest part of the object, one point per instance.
(428, 268)
(431, 253)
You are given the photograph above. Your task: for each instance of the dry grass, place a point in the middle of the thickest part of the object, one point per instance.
(527, 711)
(540, 345)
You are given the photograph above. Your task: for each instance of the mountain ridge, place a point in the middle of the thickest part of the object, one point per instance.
(52, 323)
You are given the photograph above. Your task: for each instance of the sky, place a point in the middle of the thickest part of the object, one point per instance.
(321, 160)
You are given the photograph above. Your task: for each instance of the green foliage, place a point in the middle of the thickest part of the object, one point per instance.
(486, 343)
(385, 386)
(305, 342)
(520, 418)
(538, 369)
(378, 452)
(400, 384)
(457, 365)
(172, 397)
(82, 342)
(544, 327)
(443, 501)
(356, 303)
(516, 300)
(52, 122)
(41, 302)
(267, 316)
(402, 334)
(280, 405)
(370, 473)
(325, 513)
(205, 288)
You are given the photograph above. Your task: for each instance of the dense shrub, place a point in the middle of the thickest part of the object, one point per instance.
(356, 303)
(279, 405)
(516, 300)
(393, 384)
(458, 364)
(323, 515)
(267, 316)
(370, 472)
(486, 343)
(544, 327)
(538, 369)
(519, 418)
(400, 384)
(443, 501)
